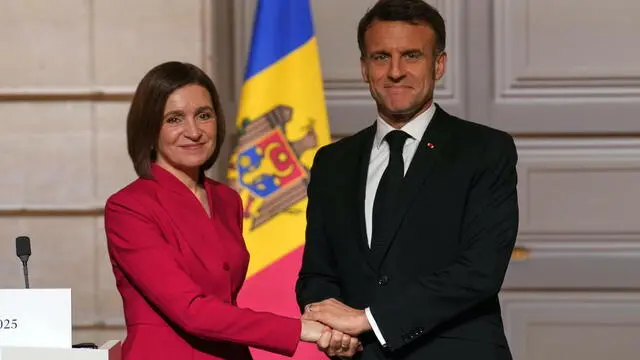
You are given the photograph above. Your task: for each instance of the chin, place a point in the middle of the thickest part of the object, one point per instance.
(399, 106)
(192, 163)
(404, 109)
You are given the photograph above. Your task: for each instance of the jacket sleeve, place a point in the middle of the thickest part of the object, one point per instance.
(317, 279)
(139, 249)
(489, 232)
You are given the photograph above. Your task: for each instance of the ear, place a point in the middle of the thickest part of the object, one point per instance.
(441, 65)
(363, 70)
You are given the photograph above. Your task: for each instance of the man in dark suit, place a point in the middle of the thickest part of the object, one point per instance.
(410, 222)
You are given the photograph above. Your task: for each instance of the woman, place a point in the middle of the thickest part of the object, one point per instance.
(175, 237)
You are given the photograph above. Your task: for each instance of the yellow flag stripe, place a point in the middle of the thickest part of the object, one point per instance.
(294, 81)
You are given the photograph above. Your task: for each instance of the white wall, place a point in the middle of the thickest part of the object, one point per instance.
(68, 70)
(563, 76)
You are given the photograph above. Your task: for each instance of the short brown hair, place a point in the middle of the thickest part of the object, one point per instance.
(146, 112)
(410, 11)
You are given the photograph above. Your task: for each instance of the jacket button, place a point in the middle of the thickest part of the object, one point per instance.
(226, 266)
(384, 279)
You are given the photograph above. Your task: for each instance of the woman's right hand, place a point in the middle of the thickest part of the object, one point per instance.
(329, 341)
(312, 331)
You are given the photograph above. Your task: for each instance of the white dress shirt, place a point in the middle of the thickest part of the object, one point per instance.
(378, 163)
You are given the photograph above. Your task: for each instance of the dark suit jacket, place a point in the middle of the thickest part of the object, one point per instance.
(434, 290)
(179, 271)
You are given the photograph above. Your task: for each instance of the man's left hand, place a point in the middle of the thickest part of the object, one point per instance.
(339, 316)
(336, 343)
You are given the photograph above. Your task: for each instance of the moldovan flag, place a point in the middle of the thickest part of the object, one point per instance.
(282, 121)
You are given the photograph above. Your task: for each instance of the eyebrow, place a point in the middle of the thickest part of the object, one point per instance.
(204, 108)
(379, 52)
(198, 110)
(405, 52)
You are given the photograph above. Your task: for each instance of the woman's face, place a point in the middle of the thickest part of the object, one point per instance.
(188, 133)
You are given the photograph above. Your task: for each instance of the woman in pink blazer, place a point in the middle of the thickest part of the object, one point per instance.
(175, 236)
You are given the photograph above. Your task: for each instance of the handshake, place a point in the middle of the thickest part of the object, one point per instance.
(334, 327)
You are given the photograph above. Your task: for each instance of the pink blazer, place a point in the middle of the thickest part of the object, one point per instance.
(179, 272)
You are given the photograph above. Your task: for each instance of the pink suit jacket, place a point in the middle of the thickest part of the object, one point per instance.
(179, 272)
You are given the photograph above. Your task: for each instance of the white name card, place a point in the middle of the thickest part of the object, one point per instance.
(35, 318)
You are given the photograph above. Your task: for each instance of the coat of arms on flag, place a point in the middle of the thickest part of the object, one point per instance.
(281, 122)
(268, 165)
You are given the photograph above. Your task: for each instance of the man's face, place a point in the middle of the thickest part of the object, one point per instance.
(401, 68)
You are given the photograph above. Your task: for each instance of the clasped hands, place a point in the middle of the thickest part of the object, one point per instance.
(342, 326)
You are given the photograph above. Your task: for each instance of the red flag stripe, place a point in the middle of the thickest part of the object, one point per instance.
(273, 290)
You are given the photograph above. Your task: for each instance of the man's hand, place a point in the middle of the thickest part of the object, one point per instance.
(338, 316)
(331, 342)
(336, 343)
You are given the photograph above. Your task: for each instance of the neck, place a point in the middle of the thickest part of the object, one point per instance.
(189, 177)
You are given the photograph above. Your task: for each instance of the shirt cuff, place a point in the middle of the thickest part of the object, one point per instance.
(374, 326)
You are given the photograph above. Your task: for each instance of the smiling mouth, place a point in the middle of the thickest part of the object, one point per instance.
(192, 147)
(397, 89)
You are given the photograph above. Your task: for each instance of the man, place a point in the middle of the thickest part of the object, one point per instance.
(410, 222)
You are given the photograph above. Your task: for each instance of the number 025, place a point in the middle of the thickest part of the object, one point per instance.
(8, 324)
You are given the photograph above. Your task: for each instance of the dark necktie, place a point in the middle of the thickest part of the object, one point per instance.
(388, 189)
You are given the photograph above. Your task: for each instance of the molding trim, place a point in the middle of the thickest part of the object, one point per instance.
(50, 211)
(515, 78)
(67, 94)
(613, 159)
(100, 325)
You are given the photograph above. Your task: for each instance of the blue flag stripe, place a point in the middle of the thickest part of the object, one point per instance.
(280, 26)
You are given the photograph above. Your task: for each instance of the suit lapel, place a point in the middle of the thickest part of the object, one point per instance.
(188, 218)
(431, 145)
(361, 190)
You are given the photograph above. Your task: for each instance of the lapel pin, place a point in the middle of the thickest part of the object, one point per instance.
(431, 146)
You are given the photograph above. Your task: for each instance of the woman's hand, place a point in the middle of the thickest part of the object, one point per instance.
(312, 331)
(331, 342)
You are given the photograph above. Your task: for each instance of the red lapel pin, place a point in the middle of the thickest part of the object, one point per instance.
(431, 146)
